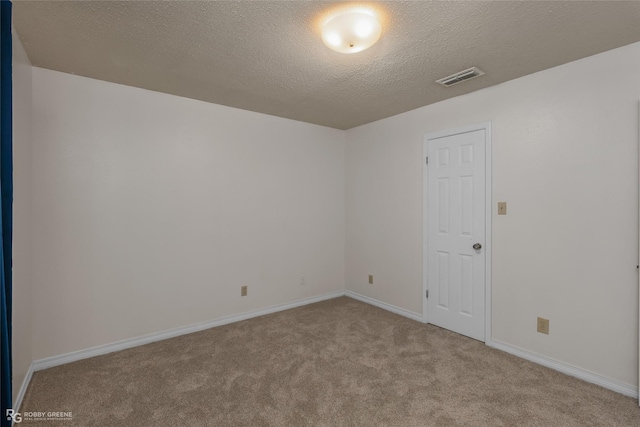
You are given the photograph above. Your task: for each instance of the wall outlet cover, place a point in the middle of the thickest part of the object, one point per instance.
(543, 325)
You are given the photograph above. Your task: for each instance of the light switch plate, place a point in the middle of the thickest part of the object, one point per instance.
(371, 279)
(502, 208)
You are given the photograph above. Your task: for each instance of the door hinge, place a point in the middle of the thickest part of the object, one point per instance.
(427, 293)
(427, 160)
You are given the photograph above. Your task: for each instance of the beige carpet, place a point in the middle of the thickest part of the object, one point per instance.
(335, 363)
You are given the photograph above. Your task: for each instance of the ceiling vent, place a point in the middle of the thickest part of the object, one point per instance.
(469, 73)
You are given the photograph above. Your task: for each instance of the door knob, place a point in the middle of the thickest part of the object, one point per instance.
(477, 246)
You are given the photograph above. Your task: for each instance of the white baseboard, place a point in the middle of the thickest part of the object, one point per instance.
(385, 306)
(591, 377)
(163, 335)
(23, 388)
(611, 384)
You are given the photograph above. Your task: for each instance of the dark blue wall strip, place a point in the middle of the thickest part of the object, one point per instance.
(6, 206)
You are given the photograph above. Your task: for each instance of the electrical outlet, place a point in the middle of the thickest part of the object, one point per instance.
(543, 325)
(302, 281)
(243, 291)
(502, 208)
(371, 279)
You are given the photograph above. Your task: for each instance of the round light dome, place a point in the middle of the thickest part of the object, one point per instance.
(351, 32)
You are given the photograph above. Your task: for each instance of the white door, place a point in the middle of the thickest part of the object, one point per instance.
(455, 231)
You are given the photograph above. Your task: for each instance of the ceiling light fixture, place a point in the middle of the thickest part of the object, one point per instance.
(351, 31)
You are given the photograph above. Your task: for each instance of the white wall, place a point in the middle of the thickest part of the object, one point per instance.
(565, 158)
(151, 211)
(22, 255)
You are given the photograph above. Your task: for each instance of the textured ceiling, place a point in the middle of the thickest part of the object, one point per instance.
(267, 56)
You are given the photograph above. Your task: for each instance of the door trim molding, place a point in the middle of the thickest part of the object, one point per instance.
(486, 126)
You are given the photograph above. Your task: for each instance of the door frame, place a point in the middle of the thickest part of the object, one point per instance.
(486, 126)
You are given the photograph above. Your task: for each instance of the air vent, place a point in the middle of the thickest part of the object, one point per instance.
(469, 73)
